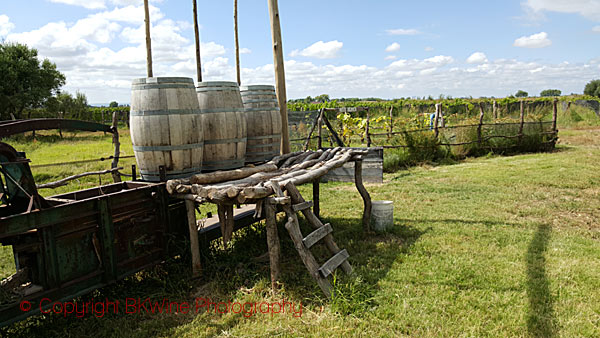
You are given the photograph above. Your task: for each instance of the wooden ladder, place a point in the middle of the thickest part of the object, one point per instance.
(322, 232)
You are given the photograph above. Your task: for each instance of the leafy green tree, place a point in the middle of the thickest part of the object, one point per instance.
(521, 93)
(550, 92)
(592, 88)
(322, 98)
(65, 105)
(26, 81)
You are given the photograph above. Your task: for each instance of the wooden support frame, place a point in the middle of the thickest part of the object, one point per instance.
(366, 219)
(190, 207)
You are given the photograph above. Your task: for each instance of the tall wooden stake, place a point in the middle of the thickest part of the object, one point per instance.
(237, 42)
(148, 40)
(279, 74)
(197, 36)
(194, 244)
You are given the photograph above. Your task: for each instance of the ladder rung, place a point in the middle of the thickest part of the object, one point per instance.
(317, 235)
(302, 206)
(333, 263)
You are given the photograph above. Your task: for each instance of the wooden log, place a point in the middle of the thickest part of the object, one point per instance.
(273, 244)
(279, 74)
(148, 40)
(194, 245)
(229, 175)
(115, 163)
(197, 39)
(66, 180)
(237, 42)
(366, 219)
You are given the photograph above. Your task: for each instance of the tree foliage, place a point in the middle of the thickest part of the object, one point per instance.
(113, 104)
(522, 93)
(26, 82)
(65, 105)
(592, 88)
(550, 92)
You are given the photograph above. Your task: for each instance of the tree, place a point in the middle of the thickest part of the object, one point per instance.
(26, 82)
(550, 92)
(521, 93)
(65, 104)
(592, 88)
(113, 104)
(322, 98)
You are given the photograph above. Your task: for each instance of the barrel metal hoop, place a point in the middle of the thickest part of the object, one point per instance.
(209, 84)
(226, 164)
(276, 136)
(172, 173)
(257, 87)
(168, 148)
(222, 110)
(160, 86)
(154, 80)
(262, 110)
(255, 146)
(218, 89)
(165, 112)
(225, 141)
(260, 101)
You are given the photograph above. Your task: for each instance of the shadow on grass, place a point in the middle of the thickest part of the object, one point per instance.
(540, 321)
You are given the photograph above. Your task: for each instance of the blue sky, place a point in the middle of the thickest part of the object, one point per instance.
(348, 48)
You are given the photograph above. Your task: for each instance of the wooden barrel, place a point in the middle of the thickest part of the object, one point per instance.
(166, 127)
(264, 123)
(225, 123)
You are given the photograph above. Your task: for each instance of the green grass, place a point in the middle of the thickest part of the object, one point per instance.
(492, 246)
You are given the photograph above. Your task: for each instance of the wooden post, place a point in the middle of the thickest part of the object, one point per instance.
(320, 129)
(273, 243)
(148, 40)
(237, 42)
(115, 162)
(367, 135)
(193, 230)
(495, 109)
(197, 38)
(316, 197)
(479, 136)
(438, 108)
(366, 219)
(554, 114)
(279, 74)
(391, 122)
(522, 109)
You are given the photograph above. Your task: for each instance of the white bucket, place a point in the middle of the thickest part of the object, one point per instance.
(382, 215)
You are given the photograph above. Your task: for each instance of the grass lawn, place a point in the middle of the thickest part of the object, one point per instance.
(492, 246)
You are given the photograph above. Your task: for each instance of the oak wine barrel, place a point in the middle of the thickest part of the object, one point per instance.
(225, 123)
(264, 123)
(166, 127)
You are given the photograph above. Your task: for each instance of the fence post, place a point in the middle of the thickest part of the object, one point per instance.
(554, 114)
(438, 108)
(391, 122)
(479, 136)
(367, 135)
(522, 121)
(320, 127)
(115, 163)
(495, 109)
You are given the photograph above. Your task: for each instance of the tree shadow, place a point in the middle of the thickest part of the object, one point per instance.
(540, 321)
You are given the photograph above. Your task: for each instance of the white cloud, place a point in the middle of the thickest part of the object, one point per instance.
(394, 47)
(595, 29)
(402, 31)
(587, 8)
(477, 58)
(245, 51)
(5, 25)
(390, 57)
(320, 50)
(89, 4)
(429, 49)
(539, 40)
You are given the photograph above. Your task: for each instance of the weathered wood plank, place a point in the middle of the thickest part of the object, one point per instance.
(273, 244)
(317, 235)
(333, 263)
(302, 206)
